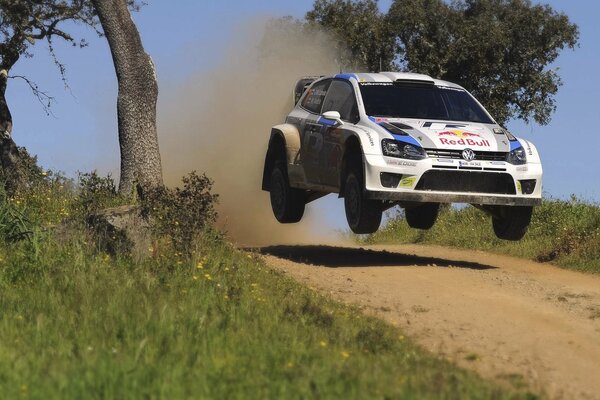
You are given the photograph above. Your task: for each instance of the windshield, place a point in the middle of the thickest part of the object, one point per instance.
(394, 100)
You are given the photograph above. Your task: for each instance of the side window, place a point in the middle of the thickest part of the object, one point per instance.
(340, 98)
(315, 95)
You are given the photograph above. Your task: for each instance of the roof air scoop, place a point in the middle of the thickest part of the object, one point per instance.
(414, 82)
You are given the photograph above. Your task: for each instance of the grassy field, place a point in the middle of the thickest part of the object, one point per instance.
(76, 322)
(565, 233)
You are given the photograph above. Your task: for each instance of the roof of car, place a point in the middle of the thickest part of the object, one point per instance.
(395, 77)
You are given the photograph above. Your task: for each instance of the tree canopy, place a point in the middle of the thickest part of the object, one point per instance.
(23, 22)
(500, 50)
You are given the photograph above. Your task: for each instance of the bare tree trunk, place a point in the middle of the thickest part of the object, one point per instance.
(136, 102)
(9, 154)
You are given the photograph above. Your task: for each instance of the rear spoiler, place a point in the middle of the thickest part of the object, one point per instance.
(301, 86)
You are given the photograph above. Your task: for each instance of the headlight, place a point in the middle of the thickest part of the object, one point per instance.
(394, 148)
(517, 156)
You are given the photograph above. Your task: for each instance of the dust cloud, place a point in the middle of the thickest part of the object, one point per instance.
(219, 122)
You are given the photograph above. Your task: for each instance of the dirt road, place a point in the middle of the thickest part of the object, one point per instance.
(509, 319)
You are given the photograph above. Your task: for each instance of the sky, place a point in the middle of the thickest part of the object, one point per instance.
(185, 37)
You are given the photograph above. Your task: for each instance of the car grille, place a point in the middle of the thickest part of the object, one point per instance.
(462, 181)
(457, 154)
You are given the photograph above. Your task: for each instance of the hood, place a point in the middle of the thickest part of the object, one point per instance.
(452, 135)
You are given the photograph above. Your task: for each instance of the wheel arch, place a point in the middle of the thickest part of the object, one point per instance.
(283, 142)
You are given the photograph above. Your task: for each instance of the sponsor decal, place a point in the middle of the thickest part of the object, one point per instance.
(469, 164)
(376, 83)
(408, 182)
(459, 133)
(371, 141)
(465, 142)
(458, 137)
(402, 163)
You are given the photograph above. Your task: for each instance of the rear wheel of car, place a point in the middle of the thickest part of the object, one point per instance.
(287, 203)
(363, 214)
(422, 216)
(511, 222)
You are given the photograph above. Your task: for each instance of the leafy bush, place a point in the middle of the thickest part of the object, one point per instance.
(95, 192)
(181, 214)
(14, 224)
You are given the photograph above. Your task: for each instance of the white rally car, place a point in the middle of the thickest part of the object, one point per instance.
(386, 139)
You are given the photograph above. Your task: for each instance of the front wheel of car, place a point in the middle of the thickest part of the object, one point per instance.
(363, 214)
(422, 216)
(511, 222)
(287, 203)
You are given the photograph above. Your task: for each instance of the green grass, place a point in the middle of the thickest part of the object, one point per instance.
(76, 323)
(565, 233)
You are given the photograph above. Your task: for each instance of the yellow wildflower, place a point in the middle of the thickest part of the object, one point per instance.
(344, 354)
(195, 277)
(323, 343)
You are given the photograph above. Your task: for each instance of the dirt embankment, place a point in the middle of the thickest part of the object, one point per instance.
(509, 319)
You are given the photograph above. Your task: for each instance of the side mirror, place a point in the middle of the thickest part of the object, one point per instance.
(333, 116)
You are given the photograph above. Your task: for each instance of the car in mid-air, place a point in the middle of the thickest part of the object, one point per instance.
(384, 139)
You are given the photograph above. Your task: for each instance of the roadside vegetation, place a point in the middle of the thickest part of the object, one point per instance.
(563, 232)
(194, 318)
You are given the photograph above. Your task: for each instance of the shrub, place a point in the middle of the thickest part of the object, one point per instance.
(181, 214)
(95, 192)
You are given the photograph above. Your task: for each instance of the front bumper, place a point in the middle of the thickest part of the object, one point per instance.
(419, 196)
(409, 189)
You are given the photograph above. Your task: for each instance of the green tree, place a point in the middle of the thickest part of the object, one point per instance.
(500, 50)
(360, 28)
(22, 24)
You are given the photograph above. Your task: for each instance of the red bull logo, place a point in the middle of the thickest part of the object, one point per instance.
(458, 133)
(457, 137)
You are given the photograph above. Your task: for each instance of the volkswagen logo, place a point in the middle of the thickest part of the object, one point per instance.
(468, 155)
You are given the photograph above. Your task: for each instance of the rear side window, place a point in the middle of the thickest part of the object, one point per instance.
(313, 101)
(341, 98)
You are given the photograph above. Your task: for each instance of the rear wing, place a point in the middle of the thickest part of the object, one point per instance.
(301, 86)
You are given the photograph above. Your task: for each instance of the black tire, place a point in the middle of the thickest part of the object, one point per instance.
(287, 203)
(511, 222)
(363, 215)
(422, 216)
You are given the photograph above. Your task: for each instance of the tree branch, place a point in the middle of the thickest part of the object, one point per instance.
(43, 97)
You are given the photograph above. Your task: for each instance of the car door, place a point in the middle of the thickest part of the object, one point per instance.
(341, 98)
(310, 130)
